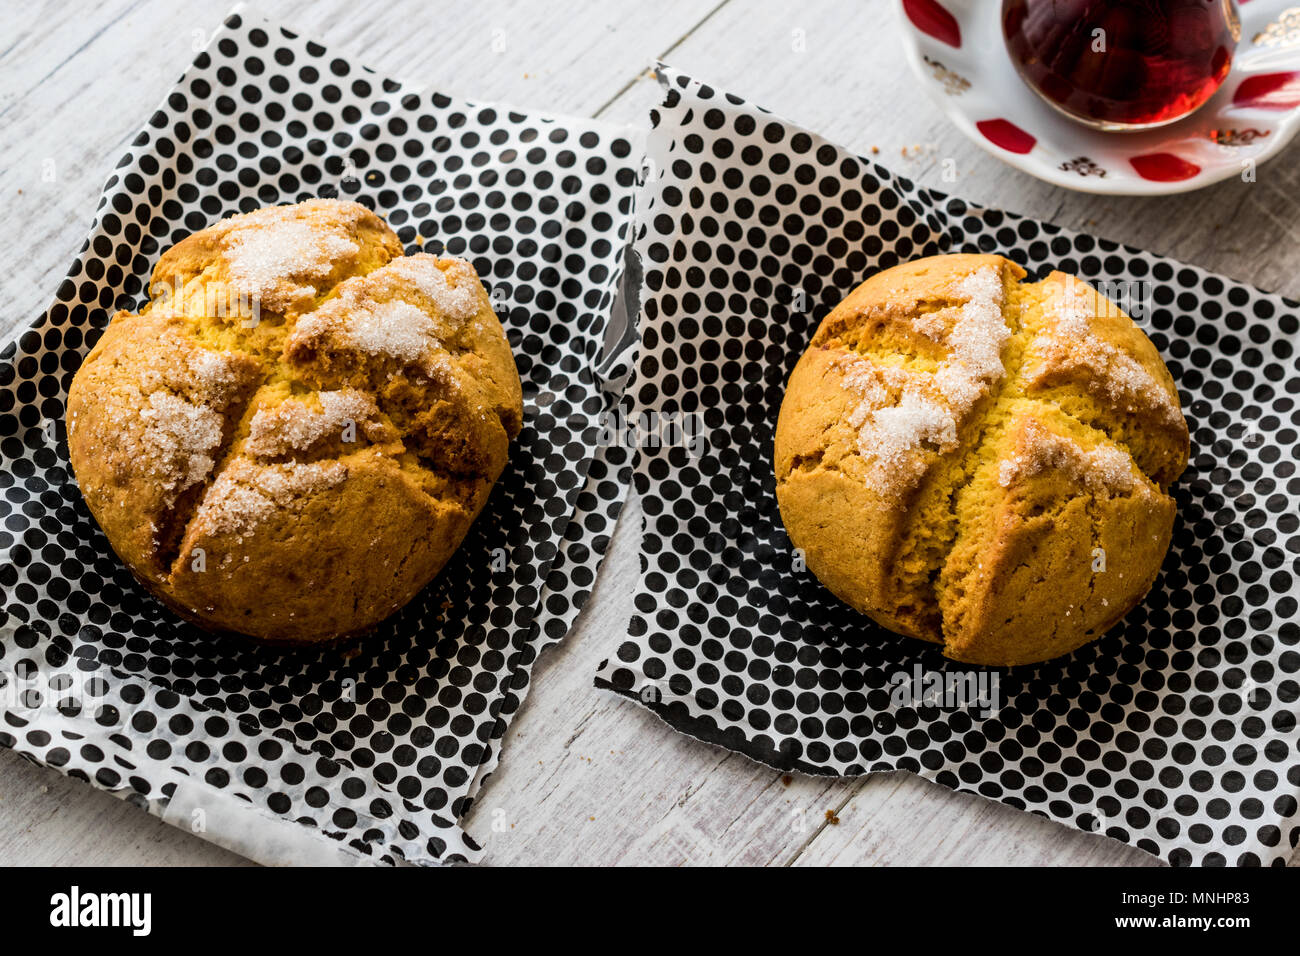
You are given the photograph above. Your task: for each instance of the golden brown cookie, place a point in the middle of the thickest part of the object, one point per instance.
(981, 462)
(294, 435)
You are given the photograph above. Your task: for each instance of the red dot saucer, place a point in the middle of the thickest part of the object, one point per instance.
(957, 50)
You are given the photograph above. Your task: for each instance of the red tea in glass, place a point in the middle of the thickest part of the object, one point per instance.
(1122, 64)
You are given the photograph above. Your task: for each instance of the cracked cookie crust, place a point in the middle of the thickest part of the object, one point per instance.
(294, 435)
(979, 461)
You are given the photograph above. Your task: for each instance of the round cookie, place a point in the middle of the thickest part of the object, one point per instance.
(294, 435)
(979, 461)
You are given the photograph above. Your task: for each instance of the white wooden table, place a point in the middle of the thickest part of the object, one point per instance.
(585, 778)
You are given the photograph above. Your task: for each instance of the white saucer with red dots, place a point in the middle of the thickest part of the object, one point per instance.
(956, 47)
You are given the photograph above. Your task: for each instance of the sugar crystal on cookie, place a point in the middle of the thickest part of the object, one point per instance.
(294, 426)
(931, 407)
(181, 435)
(1071, 341)
(262, 261)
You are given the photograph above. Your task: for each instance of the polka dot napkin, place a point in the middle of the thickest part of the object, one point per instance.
(1176, 732)
(381, 748)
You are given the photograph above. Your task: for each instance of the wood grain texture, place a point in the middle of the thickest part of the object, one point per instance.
(586, 778)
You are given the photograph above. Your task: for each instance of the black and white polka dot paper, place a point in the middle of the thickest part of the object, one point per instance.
(1176, 732)
(381, 747)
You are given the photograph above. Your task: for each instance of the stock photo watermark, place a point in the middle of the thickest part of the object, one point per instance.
(218, 300)
(947, 690)
(653, 430)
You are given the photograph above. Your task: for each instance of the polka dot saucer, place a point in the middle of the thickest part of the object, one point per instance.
(956, 48)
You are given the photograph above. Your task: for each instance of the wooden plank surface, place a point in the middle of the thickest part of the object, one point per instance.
(585, 778)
